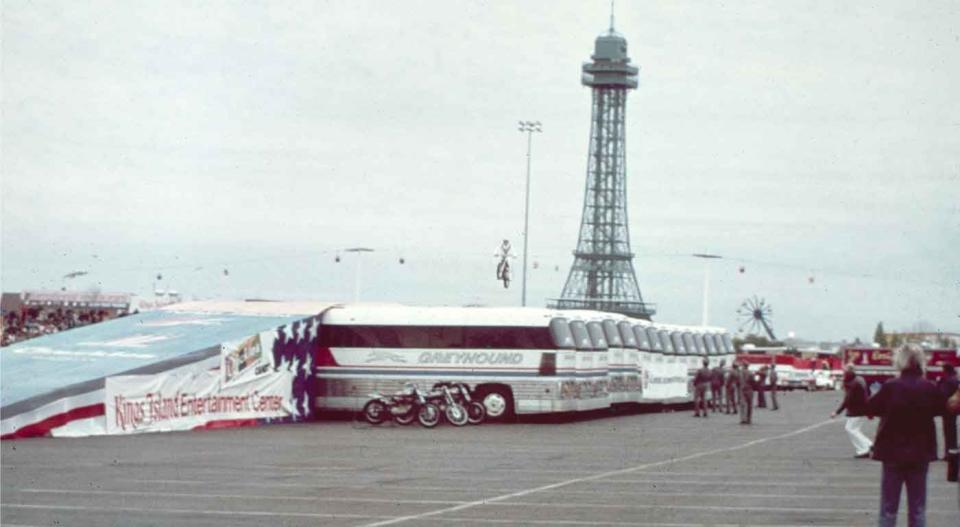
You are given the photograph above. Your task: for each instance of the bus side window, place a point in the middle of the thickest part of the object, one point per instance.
(538, 338)
(413, 337)
(446, 337)
(383, 337)
(476, 338)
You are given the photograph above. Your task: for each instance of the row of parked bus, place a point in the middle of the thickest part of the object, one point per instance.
(515, 360)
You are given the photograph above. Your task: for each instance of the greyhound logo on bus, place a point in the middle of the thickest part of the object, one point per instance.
(385, 356)
(470, 357)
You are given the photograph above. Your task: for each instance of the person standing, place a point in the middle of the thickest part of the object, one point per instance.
(907, 437)
(948, 385)
(701, 381)
(855, 403)
(761, 381)
(953, 463)
(716, 387)
(773, 387)
(731, 386)
(745, 381)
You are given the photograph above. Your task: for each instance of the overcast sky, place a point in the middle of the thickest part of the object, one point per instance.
(816, 144)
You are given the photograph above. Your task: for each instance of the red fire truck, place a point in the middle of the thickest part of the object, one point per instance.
(875, 365)
(797, 369)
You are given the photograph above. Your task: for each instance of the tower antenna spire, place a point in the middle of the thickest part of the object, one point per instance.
(611, 15)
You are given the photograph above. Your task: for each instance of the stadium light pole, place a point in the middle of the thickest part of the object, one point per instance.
(530, 127)
(706, 283)
(356, 276)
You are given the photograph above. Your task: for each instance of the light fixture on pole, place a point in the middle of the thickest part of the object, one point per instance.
(706, 283)
(529, 127)
(356, 276)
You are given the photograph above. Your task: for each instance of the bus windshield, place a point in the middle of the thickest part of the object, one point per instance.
(727, 343)
(656, 342)
(666, 341)
(708, 340)
(580, 335)
(679, 343)
(562, 336)
(597, 336)
(612, 333)
(627, 336)
(698, 343)
(640, 335)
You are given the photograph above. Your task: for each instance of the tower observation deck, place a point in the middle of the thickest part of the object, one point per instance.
(602, 276)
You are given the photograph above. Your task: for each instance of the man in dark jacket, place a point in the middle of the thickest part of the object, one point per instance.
(948, 386)
(855, 403)
(731, 384)
(773, 379)
(907, 437)
(761, 381)
(716, 387)
(701, 381)
(746, 383)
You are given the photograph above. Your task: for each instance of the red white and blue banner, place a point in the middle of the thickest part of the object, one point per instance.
(189, 400)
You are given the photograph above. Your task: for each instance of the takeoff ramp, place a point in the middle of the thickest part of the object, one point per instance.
(185, 366)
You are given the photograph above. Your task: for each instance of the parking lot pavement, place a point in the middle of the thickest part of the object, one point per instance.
(792, 467)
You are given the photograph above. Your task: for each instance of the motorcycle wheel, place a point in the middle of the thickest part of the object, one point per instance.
(456, 414)
(476, 413)
(428, 415)
(406, 418)
(375, 412)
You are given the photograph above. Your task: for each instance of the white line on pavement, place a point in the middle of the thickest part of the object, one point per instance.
(204, 512)
(601, 475)
(237, 496)
(468, 490)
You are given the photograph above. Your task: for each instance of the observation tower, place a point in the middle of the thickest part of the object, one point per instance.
(602, 276)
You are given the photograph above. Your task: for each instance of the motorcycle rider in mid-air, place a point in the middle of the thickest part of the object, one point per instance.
(504, 252)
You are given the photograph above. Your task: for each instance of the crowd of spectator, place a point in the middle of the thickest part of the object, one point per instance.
(34, 322)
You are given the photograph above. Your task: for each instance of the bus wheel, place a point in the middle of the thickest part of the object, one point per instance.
(497, 402)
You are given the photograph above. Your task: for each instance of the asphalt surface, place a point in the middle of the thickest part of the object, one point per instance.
(792, 467)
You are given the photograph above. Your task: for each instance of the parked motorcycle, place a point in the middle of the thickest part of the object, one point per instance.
(476, 413)
(404, 407)
(442, 397)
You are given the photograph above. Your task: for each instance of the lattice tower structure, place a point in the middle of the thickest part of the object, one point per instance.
(602, 276)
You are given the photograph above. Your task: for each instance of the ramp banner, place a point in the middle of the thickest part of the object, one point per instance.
(663, 381)
(186, 400)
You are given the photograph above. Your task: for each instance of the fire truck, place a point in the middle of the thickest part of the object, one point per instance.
(797, 369)
(875, 365)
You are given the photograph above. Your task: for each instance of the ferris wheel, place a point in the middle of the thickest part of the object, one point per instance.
(756, 314)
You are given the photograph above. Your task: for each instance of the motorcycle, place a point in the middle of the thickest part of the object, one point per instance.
(476, 412)
(403, 407)
(503, 272)
(443, 399)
